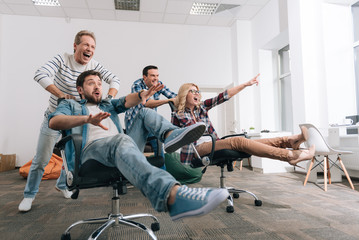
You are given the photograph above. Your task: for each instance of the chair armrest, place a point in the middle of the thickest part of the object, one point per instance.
(172, 106)
(74, 137)
(235, 135)
(198, 161)
(77, 143)
(213, 138)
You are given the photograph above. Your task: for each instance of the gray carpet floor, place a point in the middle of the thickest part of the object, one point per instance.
(289, 211)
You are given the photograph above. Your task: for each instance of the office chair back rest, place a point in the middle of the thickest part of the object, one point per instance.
(172, 106)
(316, 138)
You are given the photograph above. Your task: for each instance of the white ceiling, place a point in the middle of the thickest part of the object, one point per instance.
(154, 11)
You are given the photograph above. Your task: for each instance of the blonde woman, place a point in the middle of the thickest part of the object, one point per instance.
(190, 109)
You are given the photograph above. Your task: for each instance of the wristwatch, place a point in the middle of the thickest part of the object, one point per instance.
(109, 97)
(139, 94)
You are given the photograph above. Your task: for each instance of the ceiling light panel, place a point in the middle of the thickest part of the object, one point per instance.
(50, 3)
(203, 8)
(131, 5)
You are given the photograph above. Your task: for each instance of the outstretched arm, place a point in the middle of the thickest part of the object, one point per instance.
(152, 103)
(62, 122)
(234, 90)
(133, 99)
(156, 103)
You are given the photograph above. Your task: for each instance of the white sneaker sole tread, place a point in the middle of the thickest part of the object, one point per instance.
(186, 137)
(216, 197)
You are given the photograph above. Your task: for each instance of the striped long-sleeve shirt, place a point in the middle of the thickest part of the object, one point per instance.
(63, 70)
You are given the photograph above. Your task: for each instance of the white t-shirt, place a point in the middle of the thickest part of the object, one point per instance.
(96, 132)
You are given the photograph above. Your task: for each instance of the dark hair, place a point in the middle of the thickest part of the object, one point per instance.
(145, 70)
(81, 78)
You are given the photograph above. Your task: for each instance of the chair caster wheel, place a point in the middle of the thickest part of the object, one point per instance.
(230, 209)
(155, 226)
(66, 236)
(235, 195)
(258, 203)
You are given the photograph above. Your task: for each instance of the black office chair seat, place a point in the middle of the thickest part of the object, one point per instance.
(94, 174)
(226, 156)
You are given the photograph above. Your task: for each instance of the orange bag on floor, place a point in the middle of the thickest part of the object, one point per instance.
(52, 170)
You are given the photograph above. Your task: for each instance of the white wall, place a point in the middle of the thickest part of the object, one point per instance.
(255, 41)
(321, 62)
(319, 35)
(320, 39)
(338, 52)
(182, 53)
(244, 102)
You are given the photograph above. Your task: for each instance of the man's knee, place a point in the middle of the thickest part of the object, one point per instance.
(120, 138)
(145, 111)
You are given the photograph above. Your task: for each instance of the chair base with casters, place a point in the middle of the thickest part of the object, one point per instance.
(93, 174)
(224, 158)
(323, 149)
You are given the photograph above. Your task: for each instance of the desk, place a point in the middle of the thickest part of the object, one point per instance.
(266, 165)
(346, 138)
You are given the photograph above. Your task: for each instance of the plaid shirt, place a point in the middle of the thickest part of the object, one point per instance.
(186, 119)
(137, 86)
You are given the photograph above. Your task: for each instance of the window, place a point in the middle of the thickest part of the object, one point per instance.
(355, 13)
(285, 90)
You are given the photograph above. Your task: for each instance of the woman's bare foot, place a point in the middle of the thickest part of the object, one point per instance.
(296, 140)
(302, 155)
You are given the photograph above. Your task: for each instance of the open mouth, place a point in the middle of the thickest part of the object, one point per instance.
(195, 98)
(88, 55)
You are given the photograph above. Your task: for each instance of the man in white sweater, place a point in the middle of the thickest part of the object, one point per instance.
(58, 76)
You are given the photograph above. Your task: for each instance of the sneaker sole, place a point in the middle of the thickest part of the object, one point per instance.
(21, 209)
(218, 197)
(24, 210)
(186, 137)
(59, 190)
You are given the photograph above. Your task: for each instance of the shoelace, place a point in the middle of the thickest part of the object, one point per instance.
(194, 193)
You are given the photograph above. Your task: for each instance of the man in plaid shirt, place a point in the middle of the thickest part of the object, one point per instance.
(150, 77)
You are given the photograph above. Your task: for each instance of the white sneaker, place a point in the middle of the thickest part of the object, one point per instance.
(67, 193)
(25, 204)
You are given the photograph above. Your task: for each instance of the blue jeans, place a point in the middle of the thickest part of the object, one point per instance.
(148, 122)
(126, 153)
(45, 146)
(157, 149)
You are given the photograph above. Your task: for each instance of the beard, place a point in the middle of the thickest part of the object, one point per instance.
(91, 99)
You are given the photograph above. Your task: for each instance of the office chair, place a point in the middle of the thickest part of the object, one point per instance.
(323, 149)
(93, 174)
(222, 158)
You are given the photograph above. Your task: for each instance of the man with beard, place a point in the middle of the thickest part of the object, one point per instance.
(104, 141)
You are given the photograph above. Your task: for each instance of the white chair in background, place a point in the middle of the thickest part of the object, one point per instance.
(323, 149)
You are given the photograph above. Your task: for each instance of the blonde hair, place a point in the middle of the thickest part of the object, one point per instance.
(78, 36)
(181, 98)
